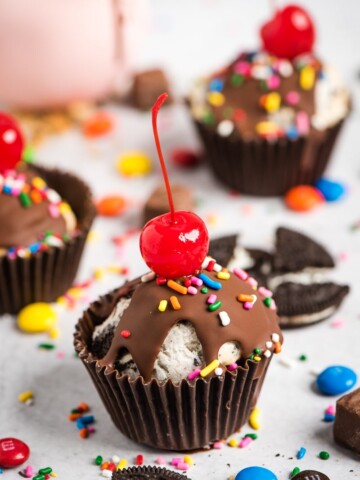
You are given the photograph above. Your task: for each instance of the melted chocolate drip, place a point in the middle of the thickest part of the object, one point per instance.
(149, 327)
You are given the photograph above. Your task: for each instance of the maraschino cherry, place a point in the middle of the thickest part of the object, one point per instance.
(175, 244)
(291, 32)
(11, 143)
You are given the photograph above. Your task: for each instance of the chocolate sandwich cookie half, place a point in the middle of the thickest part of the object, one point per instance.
(295, 271)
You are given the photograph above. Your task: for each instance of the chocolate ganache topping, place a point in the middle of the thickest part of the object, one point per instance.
(250, 320)
(260, 95)
(30, 210)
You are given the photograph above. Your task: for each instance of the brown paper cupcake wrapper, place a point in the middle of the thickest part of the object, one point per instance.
(185, 416)
(265, 168)
(47, 275)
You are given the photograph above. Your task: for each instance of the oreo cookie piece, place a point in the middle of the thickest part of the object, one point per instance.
(310, 475)
(295, 271)
(300, 305)
(223, 248)
(295, 251)
(147, 473)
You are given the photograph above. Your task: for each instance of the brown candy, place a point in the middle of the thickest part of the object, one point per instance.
(148, 85)
(347, 421)
(310, 475)
(158, 204)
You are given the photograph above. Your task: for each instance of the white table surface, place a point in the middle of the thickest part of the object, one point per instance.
(188, 39)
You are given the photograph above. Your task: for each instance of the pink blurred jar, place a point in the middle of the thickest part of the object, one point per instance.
(53, 52)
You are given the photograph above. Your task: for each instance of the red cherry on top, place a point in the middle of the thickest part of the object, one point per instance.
(11, 143)
(291, 32)
(173, 245)
(174, 249)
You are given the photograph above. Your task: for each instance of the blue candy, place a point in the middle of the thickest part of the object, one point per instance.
(209, 282)
(255, 473)
(336, 380)
(332, 191)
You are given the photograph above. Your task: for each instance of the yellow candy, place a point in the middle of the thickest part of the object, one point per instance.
(37, 318)
(64, 208)
(267, 128)
(75, 292)
(24, 396)
(99, 273)
(38, 183)
(188, 460)
(272, 102)
(209, 368)
(162, 305)
(134, 163)
(223, 275)
(54, 333)
(122, 464)
(307, 78)
(254, 419)
(233, 443)
(216, 99)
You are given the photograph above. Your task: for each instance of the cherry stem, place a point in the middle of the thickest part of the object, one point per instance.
(155, 110)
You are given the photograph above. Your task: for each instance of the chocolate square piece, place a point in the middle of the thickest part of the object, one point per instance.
(158, 204)
(148, 85)
(347, 421)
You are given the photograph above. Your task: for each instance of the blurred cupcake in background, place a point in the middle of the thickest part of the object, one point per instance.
(269, 120)
(45, 216)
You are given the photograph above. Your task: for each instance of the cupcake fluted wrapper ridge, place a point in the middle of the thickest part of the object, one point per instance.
(183, 416)
(267, 168)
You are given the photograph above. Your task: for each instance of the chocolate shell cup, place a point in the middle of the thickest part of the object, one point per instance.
(267, 168)
(184, 416)
(46, 275)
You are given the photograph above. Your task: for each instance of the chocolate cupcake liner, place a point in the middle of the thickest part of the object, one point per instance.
(46, 275)
(184, 416)
(266, 168)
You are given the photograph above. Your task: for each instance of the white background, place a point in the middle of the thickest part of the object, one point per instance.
(189, 39)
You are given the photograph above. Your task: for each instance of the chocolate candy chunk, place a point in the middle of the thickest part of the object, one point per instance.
(300, 304)
(147, 473)
(148, 85)
(222, 249)
(347, 421)
(310, 475)
(296, 251)
(158, 204)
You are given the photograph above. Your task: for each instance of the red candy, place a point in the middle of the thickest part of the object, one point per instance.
(175, 244)
(13, 452)
(11, 143)
(303, 198)
(289, 33)
(185, 158)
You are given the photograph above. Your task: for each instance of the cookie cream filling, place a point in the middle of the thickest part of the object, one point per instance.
(308, 318)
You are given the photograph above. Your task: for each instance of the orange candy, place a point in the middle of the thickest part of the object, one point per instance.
(111, 206)
(303, 198)
(98, 124)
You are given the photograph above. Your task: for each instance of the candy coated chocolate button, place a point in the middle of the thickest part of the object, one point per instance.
(134, 163)
(255, 473)
(37, 318)
(336, 380)
(303, 198)
(332, 191)
(13, 452)
(310, 475)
